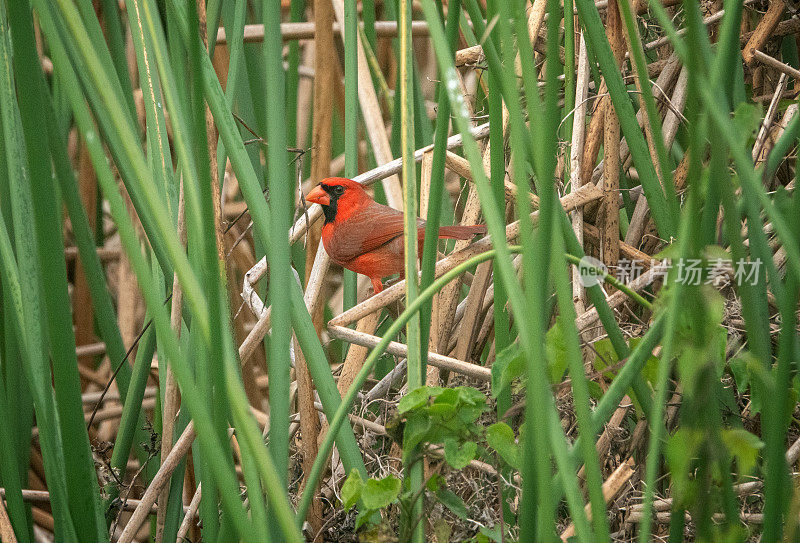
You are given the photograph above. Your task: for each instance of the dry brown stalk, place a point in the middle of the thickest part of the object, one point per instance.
(603, 444)
(91, 349)
(608, 218)
(254, 33)
(784, 28)
(6, 530)
(763, 131)
(43, 519)
(105, 254)
(775, 63)
(160, 479)
(43, 496)
(191, 511)
(628, 251)
(611, 487)
(776, 133)
(309, 426)
(763, 30)
(83, 313)
(432, 372)
(594, 136)
(171, 391)
(475, 371)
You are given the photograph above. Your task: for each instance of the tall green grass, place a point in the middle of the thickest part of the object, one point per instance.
(678, 351)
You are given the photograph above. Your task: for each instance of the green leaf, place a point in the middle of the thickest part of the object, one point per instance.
(492, 534)
(448, 396)
(455, 504)
(363, 517)
(508, 365)
(471, 396)
(417, 398)
(556, 349)
(606, 356)
(500, 437)
(680, 451)
(442, 410)
(442, 531)
(747, 118)
(379, 493)
(458, 456)
(415, 431)
(351, 489)
(744, 446)
(739, 369)
(650, 369)
(435, 482)
(469, 414)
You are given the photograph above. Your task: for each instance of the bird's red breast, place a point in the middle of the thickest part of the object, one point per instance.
(367, 237)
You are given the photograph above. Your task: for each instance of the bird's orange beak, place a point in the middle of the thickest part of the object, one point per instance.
(318, 196)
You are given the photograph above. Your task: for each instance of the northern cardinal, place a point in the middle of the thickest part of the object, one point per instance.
(367, 237)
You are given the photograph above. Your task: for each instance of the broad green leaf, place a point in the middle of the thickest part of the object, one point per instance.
(435, 482)
(744, 446)
(469, 414)
(417, 398)
(556, 349)
(443, 410)
(501, 438)
(747, 118)
(379, 493)
(415, 431)
(351, 489)
(680, 452)
(606, 356)
(492, 534)
(448, 396)
(471, 396)
(458, 456)
(508, 365)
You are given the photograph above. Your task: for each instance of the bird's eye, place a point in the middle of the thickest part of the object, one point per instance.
(338, 189)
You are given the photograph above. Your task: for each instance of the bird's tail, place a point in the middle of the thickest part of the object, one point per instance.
(461, 232)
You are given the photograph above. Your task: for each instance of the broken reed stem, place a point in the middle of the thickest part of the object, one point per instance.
(608, 219)
(775, 63)
(575, 156)
(768, 118)
(171, 391)
(763, 30)
(191, 512)
(161, 478)
(741, 489)
(6, 530)
(43, 496)
(611, 487)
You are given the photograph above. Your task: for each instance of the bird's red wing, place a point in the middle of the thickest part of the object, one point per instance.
(373, 226)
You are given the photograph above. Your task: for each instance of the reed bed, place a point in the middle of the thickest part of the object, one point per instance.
(616, 360)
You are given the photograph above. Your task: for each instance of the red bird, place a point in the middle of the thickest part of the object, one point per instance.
(367, 237)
